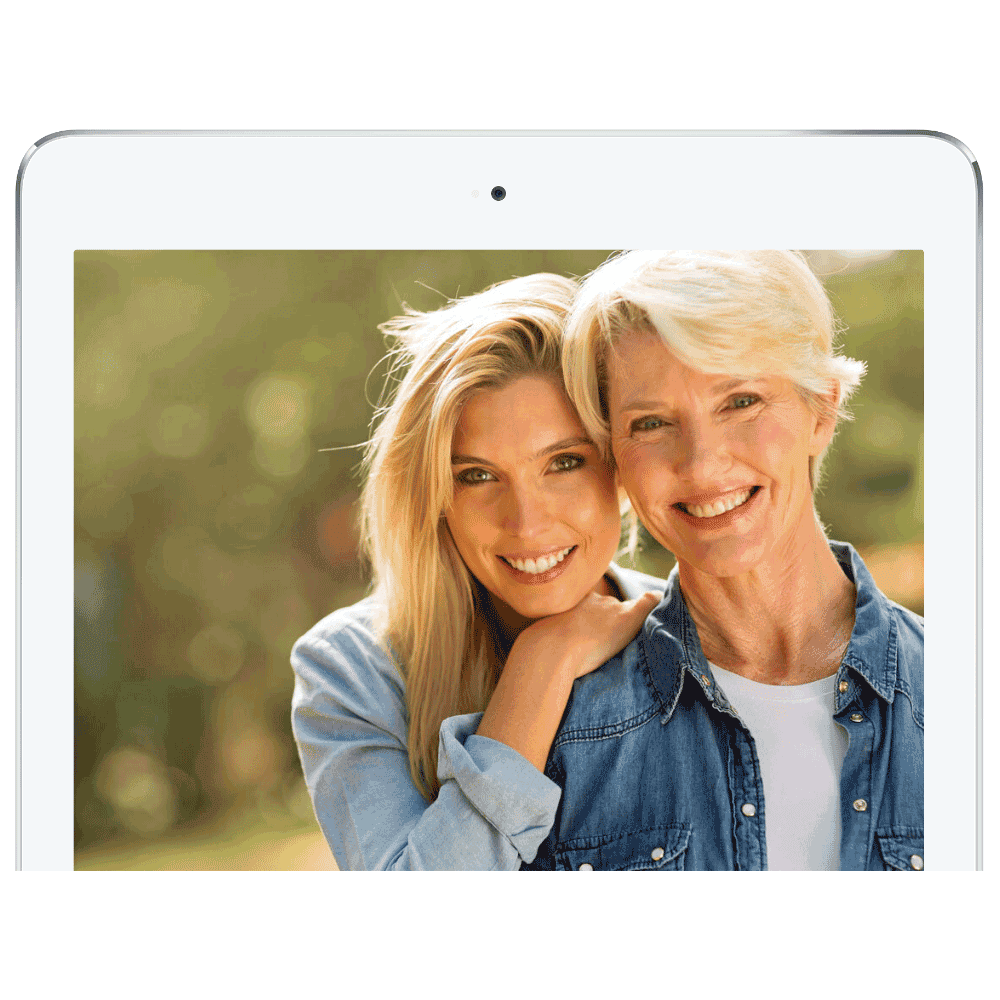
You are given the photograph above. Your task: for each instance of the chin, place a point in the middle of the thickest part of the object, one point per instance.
(722, 559)
(542, 607)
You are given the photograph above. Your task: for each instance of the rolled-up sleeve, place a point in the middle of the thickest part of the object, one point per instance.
(494, 808)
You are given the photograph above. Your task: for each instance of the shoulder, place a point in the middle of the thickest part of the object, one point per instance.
(878, 616)
(610, 701)
(347, 629)
(344, 650)
(633, 583)
(626, 692)
(909, 655)
(909, 623)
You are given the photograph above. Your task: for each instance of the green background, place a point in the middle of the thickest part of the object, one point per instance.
(851, 65)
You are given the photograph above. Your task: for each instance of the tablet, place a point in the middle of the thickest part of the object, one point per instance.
(199, 363)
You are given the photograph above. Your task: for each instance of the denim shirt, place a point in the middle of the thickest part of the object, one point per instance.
(349, 719)
(350, 724)
(659, 773)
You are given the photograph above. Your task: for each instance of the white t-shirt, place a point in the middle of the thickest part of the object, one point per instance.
(801, 752)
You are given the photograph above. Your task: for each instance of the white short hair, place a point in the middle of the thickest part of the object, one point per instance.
(745, 312)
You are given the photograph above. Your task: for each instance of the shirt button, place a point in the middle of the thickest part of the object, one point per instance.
(859, 805)
(657, 853)
(843, 686)
(857, 717)
(748, 809)
(705, 680)
(917, 862)
(585, 867)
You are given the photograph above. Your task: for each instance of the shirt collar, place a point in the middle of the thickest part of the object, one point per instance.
(669, 645)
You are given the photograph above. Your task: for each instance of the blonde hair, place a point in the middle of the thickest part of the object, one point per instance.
(431, 608)
(752, 312)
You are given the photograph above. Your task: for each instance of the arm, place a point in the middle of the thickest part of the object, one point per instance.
(495, 806)
(349, 720)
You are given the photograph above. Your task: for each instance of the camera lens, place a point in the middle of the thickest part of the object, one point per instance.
(498, 193)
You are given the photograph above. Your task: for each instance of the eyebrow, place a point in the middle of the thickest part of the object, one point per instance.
(573, 442)
(719, 389)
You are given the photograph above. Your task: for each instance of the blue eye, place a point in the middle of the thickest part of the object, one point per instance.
(742, 402)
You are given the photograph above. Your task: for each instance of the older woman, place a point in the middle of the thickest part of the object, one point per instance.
(424, 714)
(770, 713)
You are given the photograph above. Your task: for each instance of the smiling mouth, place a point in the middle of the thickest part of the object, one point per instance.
(541, 564)
(722, 506)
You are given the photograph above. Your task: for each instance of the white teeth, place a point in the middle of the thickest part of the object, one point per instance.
(719, 507)
(539, 565)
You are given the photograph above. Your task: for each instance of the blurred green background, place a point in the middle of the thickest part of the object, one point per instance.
(211, 532)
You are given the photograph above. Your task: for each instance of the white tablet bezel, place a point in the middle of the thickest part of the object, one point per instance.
(327, 190)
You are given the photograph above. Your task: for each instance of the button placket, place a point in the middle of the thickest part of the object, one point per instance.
(855, 777)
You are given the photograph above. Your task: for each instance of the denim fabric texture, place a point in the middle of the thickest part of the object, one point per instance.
(658, 772)
(349, 722)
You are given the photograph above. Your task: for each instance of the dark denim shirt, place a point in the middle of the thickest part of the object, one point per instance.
(658, 772)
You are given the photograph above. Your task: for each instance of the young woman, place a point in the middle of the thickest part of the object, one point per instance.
(424, 715)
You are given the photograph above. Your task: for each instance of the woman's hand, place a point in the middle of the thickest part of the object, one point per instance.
(587, 635)
(531, 695)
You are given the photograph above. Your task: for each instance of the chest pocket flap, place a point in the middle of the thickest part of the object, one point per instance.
(661, 849)
(902, 850)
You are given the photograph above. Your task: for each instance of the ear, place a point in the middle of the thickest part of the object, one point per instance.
(825, 421)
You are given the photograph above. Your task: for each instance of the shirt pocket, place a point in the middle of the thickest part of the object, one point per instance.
(902, 849)
(660, 849)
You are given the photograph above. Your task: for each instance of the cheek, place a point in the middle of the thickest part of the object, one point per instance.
(464, 522)
(642, 476)
(595, 507)
(781, 451)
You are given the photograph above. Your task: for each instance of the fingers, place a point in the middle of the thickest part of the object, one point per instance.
(637, 609)
(649, 600)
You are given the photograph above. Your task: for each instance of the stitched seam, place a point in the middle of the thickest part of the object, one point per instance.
(648, 678)
(603, 840)
(891, 656)
(596, 843)
(614, 732)
(913, 711)
(905, 832)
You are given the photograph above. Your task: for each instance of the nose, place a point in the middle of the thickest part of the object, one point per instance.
(525, 511)
(702, 455)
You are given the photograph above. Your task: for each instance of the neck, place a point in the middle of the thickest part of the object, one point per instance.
(507, 623)
(788, 621)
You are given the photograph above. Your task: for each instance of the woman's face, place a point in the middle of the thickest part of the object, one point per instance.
(535, 512)
(716, 466)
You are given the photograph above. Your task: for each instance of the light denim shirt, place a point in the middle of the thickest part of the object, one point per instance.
(658, 772)
(349, 720)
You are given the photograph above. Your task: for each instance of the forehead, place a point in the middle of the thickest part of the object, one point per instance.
(524, 412)
(639, 362)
